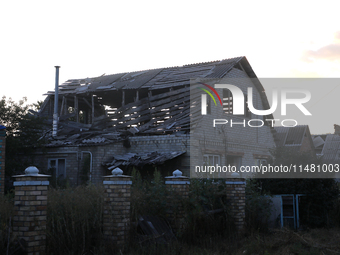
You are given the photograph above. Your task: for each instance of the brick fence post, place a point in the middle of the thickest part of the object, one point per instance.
(2, 159)
(180, 186)
(236, 195)
(30, 208)
(117, 199)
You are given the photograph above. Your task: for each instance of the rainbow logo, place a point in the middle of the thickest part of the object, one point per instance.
(209, 93)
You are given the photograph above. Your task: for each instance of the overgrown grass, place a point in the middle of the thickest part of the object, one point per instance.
(6, 215)
(74, 222)
(206, 212)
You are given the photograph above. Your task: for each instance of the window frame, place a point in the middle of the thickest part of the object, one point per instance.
(56, 167)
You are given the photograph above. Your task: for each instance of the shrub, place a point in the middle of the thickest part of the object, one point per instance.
(6, 214)
(74, 219)
(206, 211)
(208, 214)
(258, 208)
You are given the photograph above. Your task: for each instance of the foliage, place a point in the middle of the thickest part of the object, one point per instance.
(74, 222)
(23, 130)
(258, 208)
(335, 214)
(320, 193)
(6, 214)
(205, 210)
(148, 198)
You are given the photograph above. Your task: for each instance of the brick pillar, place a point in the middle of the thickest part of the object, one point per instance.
(236, 195)
(2, 159)
(180, 186)
(116, 215)
(30, 207)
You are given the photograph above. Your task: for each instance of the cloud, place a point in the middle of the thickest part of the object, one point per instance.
(330, 52)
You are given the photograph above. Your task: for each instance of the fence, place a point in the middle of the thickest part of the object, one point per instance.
(31, 190)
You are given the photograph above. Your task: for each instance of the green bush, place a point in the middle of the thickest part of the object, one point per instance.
(74, 222)
(258, 208)
(148, 198)
(208, 214)
(206, 208)
(6, 216)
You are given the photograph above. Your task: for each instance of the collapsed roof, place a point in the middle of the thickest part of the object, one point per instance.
(144, 102)
(141, 159)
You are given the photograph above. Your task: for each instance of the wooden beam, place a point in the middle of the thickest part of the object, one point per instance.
(76, 110)
(87, 102)
(92, 116)
(137, 96)
(62, 106)
(43, 106)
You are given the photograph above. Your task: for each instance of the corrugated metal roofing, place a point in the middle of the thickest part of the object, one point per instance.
(290, 135)
(295, 135)
(318, 141)
(280, 139)
(104, 81)
(150, 79)
(331, 148)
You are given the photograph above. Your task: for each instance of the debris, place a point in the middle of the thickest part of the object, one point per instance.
(154, 229)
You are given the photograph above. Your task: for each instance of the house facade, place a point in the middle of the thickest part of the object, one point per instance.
(146, 120)
(296, 138)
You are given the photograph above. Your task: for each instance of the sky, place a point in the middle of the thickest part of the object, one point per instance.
(281, 39)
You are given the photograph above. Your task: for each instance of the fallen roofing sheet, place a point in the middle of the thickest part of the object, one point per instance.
(154, 229)
(141, 159)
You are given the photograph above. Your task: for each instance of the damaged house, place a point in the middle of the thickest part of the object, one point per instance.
(142, 120)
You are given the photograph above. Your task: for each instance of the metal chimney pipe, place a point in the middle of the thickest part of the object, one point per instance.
(56, 97)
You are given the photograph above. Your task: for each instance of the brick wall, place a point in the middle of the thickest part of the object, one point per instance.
(2, 160)
(179, 186)
(116, 215)
(30, 209)
(30, 206)
(74, 155)
(224, 140)
(237, 201)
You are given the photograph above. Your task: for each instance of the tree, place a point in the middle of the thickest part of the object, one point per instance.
(320, 193)
(23, 131)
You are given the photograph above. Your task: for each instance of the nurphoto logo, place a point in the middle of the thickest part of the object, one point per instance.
(238, 107)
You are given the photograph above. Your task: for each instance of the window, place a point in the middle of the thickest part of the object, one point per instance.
(228, 103)
(209, 105)
(260, 161)
(234, 161)
(211, 160)
(58, 167)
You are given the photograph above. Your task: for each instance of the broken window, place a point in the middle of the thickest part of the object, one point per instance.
(234, 161)
(211, 160)
(260, 161)
(58, 167)
(228, 103)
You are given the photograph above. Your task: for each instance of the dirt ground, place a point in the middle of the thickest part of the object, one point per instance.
(284, 241)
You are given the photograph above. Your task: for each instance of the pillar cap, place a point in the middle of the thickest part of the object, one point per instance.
(235, 175)
(117, 171)
(32, 171)
(177, 174)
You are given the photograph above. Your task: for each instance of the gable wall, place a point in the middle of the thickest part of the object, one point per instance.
(224, 140)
